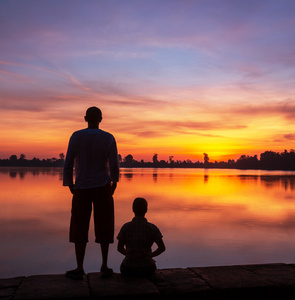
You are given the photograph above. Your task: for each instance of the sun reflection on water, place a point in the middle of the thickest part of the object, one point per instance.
(207, 217)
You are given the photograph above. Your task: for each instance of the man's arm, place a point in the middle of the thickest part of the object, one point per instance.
(114, 165)
(68, 166)
(71, 187)
(113, 187)
(161, 248)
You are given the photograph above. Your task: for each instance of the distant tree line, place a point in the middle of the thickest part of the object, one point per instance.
(14, 161)
(269, 160)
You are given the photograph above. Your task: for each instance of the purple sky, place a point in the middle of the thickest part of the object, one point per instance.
(171, 77)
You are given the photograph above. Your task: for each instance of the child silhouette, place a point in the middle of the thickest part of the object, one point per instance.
(135, 241)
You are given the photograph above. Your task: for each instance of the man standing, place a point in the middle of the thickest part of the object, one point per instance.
(93, 152)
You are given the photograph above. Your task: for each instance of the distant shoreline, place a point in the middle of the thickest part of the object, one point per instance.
(269, 160)
(123, 167)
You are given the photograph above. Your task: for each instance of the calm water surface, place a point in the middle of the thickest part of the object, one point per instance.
(207, 217)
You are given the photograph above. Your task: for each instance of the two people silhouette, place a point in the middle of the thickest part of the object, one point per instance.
(93, 154)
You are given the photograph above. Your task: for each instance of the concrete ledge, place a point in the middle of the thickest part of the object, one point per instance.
(121, 288)
(51, 287)
(268, 281)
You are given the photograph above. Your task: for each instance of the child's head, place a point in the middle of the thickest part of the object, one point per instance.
(140, 207)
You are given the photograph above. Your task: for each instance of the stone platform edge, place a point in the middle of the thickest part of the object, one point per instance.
(265, 281)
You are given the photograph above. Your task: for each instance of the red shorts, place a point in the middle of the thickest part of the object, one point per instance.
(103, 213)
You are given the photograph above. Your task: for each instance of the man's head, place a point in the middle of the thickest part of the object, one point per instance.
(140, 207)
(93, 115)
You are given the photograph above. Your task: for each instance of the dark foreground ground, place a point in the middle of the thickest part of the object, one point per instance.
(268, 281)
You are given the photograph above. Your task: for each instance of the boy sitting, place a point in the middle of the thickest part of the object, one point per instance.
(135, 241)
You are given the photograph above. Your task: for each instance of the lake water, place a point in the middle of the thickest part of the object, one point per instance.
(207, 217)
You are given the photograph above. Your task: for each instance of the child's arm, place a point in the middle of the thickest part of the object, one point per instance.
(121, 248)
(161, 248)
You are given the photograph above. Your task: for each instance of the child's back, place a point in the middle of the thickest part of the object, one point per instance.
(135, 242)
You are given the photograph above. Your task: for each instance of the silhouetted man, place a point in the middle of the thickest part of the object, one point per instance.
(93, 152)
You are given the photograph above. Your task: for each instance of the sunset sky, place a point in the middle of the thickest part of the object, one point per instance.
(171, 77)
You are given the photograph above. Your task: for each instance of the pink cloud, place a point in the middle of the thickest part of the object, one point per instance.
(284, 108)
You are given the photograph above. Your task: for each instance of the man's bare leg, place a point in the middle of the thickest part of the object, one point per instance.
(80, 254)
(106, 271)
(104, 253)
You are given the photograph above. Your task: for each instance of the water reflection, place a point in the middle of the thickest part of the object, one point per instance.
(207, 217)
(14, 172)
(287, 182)
(128, 176)
(206, 178)
(272, 181)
